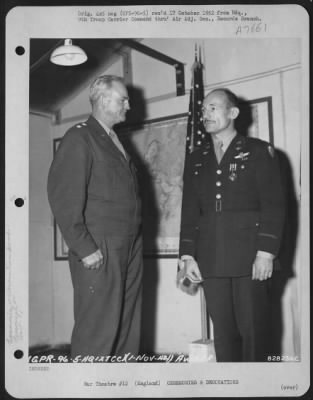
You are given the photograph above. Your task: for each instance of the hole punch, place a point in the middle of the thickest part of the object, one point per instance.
(18, 354)
(19, 202)
(19, 50)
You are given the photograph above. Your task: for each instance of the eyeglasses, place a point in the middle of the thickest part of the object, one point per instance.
(123, 100)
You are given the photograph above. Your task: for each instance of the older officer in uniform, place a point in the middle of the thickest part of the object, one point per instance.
(231, 226)
(93, 193)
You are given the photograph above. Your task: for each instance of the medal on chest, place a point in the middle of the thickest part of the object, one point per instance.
(240, 159)
(232, 171)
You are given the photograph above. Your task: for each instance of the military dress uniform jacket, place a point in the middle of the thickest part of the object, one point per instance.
(92, 188)
(232, 209)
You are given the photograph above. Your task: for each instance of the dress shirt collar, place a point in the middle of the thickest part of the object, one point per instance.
(225, 140)
(104, 126)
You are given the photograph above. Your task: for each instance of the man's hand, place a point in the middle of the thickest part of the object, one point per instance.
(188, 267)
(262, 268)
(191, 268)
(93, 261)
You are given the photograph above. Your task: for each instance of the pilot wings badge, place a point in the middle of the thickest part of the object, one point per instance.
(242, 156)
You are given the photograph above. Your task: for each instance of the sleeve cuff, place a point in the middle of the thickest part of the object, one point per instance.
(186, 257)
(265, 254)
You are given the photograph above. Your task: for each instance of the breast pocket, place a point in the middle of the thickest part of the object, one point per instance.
(244, 173)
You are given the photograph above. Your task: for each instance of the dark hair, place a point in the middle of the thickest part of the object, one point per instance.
(100, 85)
(231, 97)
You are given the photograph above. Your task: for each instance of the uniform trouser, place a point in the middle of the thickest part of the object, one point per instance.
(107, 302)
(240, 312)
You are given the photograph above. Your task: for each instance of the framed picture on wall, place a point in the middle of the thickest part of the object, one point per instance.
(60, 247)
(256, 119)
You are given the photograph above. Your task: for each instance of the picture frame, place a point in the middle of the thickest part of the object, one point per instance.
(262, 119)
(60, 247)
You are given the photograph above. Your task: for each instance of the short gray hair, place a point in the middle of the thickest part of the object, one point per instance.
(100, 85)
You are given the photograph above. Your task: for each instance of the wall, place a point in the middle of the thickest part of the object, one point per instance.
(252, 69)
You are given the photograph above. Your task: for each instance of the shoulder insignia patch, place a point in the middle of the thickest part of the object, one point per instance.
(271, 150)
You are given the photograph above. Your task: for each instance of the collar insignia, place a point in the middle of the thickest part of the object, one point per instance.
(271, 150)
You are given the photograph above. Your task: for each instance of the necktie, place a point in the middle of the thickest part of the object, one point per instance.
(219, 151)
(116, 141)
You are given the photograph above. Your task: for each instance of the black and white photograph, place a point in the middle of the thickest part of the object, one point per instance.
(157, 201)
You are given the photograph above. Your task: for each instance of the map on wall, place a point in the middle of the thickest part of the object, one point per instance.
(158, 149)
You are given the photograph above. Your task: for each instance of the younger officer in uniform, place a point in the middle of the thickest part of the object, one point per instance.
(231, 227)
(93, 193)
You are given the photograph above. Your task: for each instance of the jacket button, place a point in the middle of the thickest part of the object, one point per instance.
(218, 183)
(218, 196)
(219, 171)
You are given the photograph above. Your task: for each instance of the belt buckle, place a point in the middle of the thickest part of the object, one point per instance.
(218, 205)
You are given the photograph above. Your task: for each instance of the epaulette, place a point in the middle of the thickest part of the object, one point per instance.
(262, 144)
(81, 125)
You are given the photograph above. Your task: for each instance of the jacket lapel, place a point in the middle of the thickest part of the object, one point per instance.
(208, 153)
(236, 147)
(109, 145)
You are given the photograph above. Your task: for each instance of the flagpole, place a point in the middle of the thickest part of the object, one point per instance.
(195, 133)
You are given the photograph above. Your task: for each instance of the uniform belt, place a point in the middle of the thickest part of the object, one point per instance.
(218, 205)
